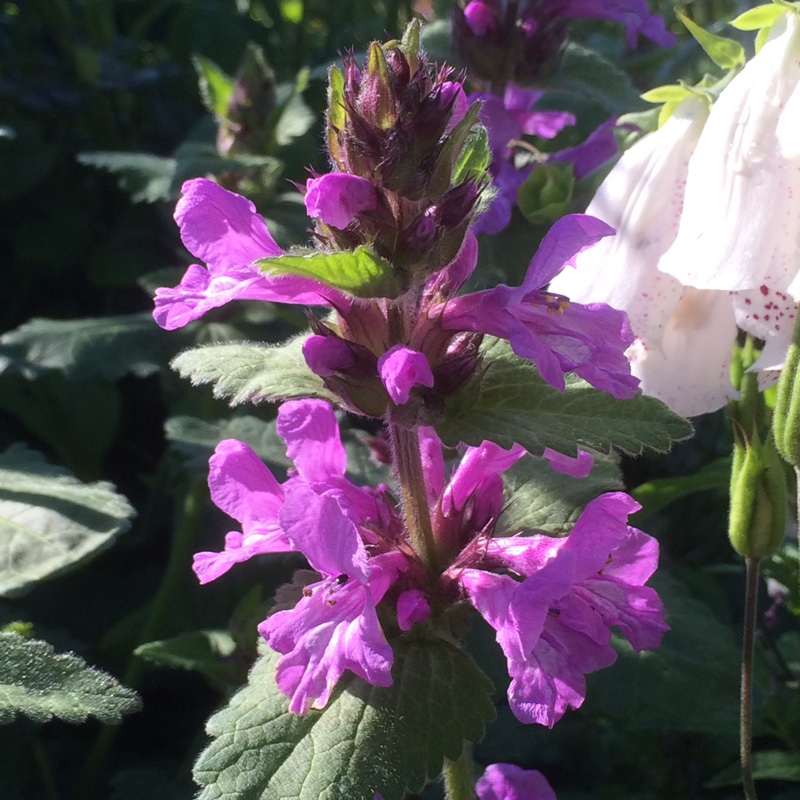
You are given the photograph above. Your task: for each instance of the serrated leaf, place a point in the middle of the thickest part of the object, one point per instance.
(539, 498)
(49, 520)
(249, 372)
(110, 347)
(724, 52)
(508, 402)
(368, 739)
(759, 17)
(360, 273)
(40, 684)
(216, 87)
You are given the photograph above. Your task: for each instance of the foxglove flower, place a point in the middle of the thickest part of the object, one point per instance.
(510, 782)
(738, 230)
(642, 198)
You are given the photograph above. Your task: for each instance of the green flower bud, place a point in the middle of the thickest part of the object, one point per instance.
(546, 194)
(786, 417)
(757, 519)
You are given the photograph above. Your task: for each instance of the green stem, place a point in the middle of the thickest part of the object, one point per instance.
(413, 495)
(179, 558)
(458, 777)
(746, 709)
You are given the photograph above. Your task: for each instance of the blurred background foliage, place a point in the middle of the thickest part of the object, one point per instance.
(106, 107)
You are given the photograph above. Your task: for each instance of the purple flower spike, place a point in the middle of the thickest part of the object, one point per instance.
(510, 782)
(337, 197)
(243, 487)
(334, 626)
(224, 230)
(558, 336)
(401, 369)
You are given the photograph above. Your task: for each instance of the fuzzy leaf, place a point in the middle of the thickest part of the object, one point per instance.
(110, 347)
(474, 158)
(507, 401)
(41, 685)
(539, 498)
(249, 372)
(360, 273)
(49, 520)
(147, 178)
(367, 740)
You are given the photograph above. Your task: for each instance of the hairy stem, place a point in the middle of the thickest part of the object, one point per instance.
(408, 466)
(746, 709)
(458, 777)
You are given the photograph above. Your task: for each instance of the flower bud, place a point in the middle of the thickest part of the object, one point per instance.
(757, 519)
(786, 416)
(246, 127)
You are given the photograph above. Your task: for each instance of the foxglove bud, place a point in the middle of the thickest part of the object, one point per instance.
(786, 417)
(757, 519)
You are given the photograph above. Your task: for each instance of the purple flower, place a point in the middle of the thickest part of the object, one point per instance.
(320, 513)
(224, 230)
(554, 624)
(336, 198)
(401, 369)
(510, 782)
(558, 336)
(334, 626)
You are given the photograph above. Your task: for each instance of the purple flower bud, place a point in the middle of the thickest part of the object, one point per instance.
(337, 198)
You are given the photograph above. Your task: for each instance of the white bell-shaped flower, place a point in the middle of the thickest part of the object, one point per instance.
(740, 227)
(683, 336)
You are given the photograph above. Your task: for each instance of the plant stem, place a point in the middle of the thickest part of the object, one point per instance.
(458, 777)
(746, 709)
(408, 466)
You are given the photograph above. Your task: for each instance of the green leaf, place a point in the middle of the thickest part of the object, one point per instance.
(670, 93)
(539, 498)
(243, 372)
(41, 685)
(111, 347)
(768, 765)
(589, 74)
(695, 670)
(146, 178)
(206, 652)
(50, 521)
(508, 402)
(660, 492)
(337, 112)
(724, 52)
(216, 87)
(474, 158)
(759, 17)
(368, 739)
(360, 273)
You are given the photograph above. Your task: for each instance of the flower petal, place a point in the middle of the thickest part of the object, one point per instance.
(338, 197)
(312, 438)
(401, 369)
